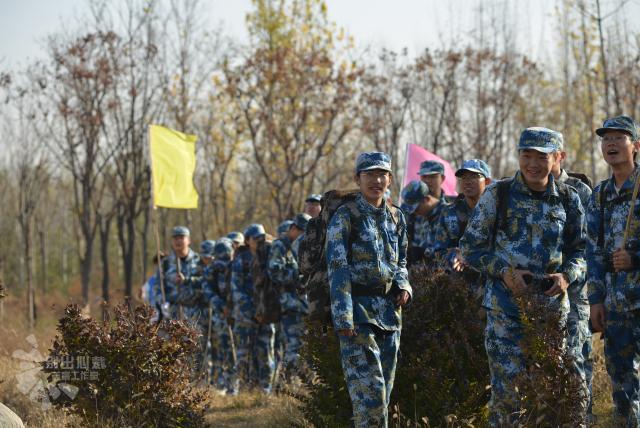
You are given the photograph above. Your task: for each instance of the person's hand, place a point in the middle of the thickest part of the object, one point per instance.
(458, 262)
(226, 311)
(347, 332)
(180, 278)
(402, 298)
(560, 284)
(514, 280)
(598, 317)
(622, 260)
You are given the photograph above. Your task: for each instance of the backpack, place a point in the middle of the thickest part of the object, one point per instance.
(502, 199)
(312, 260)
(266, 294)
(582, 177)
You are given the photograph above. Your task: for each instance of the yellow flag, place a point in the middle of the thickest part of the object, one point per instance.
(173, 161)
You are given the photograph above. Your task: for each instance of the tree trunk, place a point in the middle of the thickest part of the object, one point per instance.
(85, 269)
(43, 260)
(28, 258)
(105, 227)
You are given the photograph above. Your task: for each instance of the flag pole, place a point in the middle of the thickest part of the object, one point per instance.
(155, 222)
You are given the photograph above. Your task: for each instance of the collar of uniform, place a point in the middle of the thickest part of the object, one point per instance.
(628, 184)
(435, 212)
(189, 256)
(563, 176)
(367, 208)
(521, 186)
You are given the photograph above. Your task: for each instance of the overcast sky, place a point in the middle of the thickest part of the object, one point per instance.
(414, 24)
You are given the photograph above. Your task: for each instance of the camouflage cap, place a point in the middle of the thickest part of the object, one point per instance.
(475, 165)
(373, 160)
(284, 227)
(540, 139)
(413, 194)
(314, 197)
(180, 231)
(206, 248)
(255, 230)
(236, 237)
(619, 123)
(430, 167)
(223, 248)
(301, 221)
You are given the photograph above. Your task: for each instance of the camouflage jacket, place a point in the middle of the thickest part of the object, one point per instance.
(365, 247)
(188, 293)
(283, 271)
(429, 228)
(216, 284)
(578, 292)
(449, 231)
(242, 287)
(539, 236)
(620, 291)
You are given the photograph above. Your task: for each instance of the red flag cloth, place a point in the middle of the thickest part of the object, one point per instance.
(415, 156)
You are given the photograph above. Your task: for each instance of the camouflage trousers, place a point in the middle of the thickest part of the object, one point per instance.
(622, 358)
(579, 345)
(502, 337)
(255, 362)
(369, 366)
(292, 329)
(223, 357)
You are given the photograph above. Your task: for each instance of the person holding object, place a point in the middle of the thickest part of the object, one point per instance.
(613, 257)
(529, 226)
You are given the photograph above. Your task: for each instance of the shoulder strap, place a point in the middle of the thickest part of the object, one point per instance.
(502, 202)
(601, 195)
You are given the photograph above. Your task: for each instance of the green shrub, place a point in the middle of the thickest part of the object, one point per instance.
(144, 380)
(550, 389)
(442, 367)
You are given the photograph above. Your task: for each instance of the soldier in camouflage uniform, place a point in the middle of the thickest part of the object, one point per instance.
(283, 228)
(283, 271)
(432, 174)
(578, 332)
(181, 277)
(237, 238)
(255, 362)
(474, 175)
(366, 259)
(543, 237)
(217, 289)
(197, 304)
(420, 207)
(613, 269)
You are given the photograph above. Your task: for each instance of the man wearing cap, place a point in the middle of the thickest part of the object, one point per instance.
(578, 332)
(180, 274)
(474, 176)
(312, 205)
(255, 362)
(613, 274)
(366, 249)
(418, 205)
(432, 174)
(237, 239)
(217, 276)
(541, 235)
(283, 228)
(283, 271)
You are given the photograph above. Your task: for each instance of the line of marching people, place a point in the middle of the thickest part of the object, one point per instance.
(245, 342)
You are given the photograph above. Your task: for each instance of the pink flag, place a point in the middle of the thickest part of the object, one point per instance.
(415, 156)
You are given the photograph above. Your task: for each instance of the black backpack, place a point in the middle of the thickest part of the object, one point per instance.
(266, 294)
(312, 260)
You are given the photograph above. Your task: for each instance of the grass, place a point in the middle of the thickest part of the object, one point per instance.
(249, 409)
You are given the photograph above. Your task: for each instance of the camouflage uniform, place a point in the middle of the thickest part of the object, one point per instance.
(217, 275)
(357, 284)
(619, 292)
(578, 332)
(537, 237)
(283, 271)
(449, 230)
(255, 363)
(182, 298)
